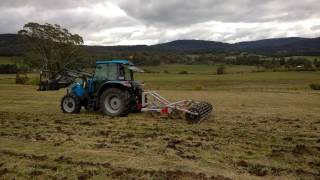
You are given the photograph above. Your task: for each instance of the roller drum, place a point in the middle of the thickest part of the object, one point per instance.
(203, 110)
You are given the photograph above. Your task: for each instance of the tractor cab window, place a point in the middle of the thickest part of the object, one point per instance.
(128, 74)
(125, 73)
(121, 72)
(106, 72)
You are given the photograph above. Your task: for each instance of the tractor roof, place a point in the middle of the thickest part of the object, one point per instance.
(126, 62)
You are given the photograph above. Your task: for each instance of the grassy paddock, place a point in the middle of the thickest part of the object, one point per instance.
(199, 69)
(10, 79)
(264, 125)
(7, 60)
(310, 58)
(249, 135)
(243, 81)
(275, 81)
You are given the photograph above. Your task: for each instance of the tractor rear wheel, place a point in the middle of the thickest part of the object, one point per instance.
(70, 104)
(114, 102)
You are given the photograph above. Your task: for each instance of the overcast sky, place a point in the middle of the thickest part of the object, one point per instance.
(129, 22)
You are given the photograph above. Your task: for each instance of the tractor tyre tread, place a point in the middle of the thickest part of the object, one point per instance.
(77, 103)
(123, 95)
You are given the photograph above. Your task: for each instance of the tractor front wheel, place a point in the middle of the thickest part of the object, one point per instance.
(70, 104)
(113, 102)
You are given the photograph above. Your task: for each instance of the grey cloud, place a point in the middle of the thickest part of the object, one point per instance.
(181, 12)
(316, 27)
(156, 21)
(45, 4)
(13, 17)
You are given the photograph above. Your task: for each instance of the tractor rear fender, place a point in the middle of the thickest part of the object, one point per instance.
(123, 85)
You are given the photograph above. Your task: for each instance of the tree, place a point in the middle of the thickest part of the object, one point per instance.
(221, 69)
(55, 46)
(282, 61)
(316, 63)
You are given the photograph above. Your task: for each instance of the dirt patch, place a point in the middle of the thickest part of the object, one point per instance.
(288, 139)
(170, 175)
(314, 164)
(64, 159)
(300, 149)
(58, 144)
(49, 167)
(24, 155)
(186, 155)
(3, 171)
(132, 173)
(102, 144)
(188, 175)
(68, 160)
(36, 173)
(258, 170)
(86, 174)
(59, 122)
(278, 152)
(39, 137)
(172, 143)
(104, 133)
(242, 163)
(305, 173)
(87, 123)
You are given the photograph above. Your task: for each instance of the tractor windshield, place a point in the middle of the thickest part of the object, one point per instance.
(106, 72)
(113, 72)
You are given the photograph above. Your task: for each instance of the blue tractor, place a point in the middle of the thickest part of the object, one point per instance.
(113, 90)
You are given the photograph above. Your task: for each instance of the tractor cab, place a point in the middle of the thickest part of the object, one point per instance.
(116, 70)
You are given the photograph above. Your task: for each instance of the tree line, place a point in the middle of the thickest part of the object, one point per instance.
(52, 47)
(260, 61)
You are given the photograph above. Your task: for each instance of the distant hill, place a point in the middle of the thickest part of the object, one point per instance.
(292, 46)
(11, 46)
(194, 46)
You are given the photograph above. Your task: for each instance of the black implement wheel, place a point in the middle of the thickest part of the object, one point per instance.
(114, 102)
(70, 104)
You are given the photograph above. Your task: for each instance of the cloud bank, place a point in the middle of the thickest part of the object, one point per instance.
(130, 22)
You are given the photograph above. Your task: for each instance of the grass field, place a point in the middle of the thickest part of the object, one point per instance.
(199, 69)
(310, 58)
(6, 60)
(263, 81)
(265, 125)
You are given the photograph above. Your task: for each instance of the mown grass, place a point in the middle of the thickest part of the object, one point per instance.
(250, 134)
